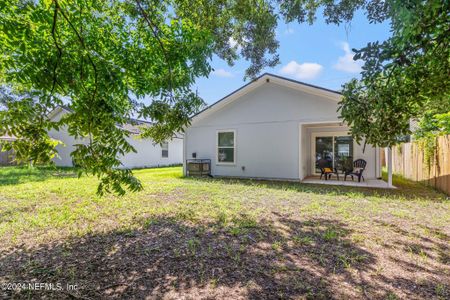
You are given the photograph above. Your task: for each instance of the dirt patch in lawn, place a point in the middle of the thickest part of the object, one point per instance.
(284, 257)
(186, 238)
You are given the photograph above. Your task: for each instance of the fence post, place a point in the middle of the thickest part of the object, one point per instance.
(389, 165)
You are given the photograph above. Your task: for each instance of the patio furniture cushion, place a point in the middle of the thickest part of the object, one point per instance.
(358, 170)
(325, 169)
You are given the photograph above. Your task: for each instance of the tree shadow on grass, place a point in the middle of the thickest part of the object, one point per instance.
(170, 259)
(22, 174)
(426, 255)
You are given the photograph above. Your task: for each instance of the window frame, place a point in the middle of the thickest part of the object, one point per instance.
(332, 134)
(234, 147)
(162, 149)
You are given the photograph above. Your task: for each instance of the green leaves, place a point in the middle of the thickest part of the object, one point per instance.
(25, 117)
(112, 60)
(403, 78)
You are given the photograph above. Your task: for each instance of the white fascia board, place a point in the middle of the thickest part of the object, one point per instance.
(267, 78)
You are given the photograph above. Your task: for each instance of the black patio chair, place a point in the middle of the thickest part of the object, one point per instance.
(326, 169)
(359, 166)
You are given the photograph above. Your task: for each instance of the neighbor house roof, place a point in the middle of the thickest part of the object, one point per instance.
(133, 125)
(8, 138)
(272, 78)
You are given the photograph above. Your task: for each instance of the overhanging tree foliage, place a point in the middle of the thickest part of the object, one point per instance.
(25, 119)
(107, 58)
(403, 78)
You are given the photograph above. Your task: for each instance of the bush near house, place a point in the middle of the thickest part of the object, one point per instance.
(209, 238)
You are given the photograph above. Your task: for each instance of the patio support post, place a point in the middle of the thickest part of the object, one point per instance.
(389, 166)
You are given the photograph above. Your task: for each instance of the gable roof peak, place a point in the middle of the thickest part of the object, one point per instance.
(270, 78)
(266, 74)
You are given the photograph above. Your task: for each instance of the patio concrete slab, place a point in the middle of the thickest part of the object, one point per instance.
(368, 183)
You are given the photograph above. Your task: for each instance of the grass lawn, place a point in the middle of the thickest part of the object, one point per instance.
(209, 238)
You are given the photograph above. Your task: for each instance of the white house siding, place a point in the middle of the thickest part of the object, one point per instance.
(64, 150)
(260, 157)
(267, 121)
(148, 154)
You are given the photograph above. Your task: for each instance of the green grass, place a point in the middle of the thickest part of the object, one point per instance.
(289, 228)
(18, 175)
(50, 203)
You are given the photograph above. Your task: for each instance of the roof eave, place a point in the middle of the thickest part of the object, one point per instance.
(268, 77)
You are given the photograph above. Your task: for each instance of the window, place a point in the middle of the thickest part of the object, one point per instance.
(165, 149)
(226, 150)
(335, 148)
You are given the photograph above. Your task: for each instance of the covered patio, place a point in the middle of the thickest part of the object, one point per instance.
(330, 144)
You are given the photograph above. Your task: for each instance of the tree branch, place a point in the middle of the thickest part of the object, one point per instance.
(154, 28)
(80, 39)
(55, 18)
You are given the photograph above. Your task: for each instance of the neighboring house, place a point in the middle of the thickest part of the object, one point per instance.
(148, 153)
(274, 128)
(6, 157)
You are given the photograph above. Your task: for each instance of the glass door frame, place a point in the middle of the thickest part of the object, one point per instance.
(333, 134)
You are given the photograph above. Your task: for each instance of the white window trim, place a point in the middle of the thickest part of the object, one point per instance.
(325, 134)
(217, 147)
(163, 149)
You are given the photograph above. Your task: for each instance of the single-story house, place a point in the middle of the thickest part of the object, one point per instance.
(149, 154)
(275, 128)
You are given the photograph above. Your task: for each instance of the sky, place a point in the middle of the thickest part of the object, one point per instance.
(319, 54)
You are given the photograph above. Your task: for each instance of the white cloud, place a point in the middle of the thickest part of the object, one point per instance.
(222, 73)
(302, 71)
(346, 63)
(234, 44)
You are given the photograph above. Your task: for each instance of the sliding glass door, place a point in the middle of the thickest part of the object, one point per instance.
(334, 148)
(323, 151)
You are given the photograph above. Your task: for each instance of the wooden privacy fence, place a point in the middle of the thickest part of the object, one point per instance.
(408, 160)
